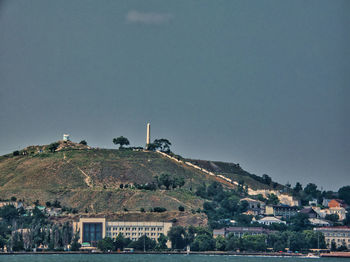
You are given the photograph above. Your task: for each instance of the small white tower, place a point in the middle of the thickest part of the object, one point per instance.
(66, 137)
(148, 138)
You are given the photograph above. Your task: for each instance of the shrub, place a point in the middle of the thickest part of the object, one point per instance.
(181, 208)
(159, 209)
(15, 153)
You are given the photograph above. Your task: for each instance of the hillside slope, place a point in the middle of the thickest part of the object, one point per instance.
(91, 179)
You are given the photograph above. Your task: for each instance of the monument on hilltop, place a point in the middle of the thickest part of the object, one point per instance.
(148, 137)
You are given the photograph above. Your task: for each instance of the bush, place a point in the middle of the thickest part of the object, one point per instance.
(181, 208)
(15, 153)
(159, 209)
(83, 142)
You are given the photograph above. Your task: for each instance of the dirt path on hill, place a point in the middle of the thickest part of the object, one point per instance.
(176, 200)
(88, 180)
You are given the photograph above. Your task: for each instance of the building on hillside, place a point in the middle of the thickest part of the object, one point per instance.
(337, 203)
(313, 202)
(340, 211)
(240, 231)
(320, 212)
(14, 203)
(281, 211)
(339, 235)
(267, 221)
(66, 137)
(255, 207)
(319, 222)
(310, 212)
(92, 230)
(325, 202)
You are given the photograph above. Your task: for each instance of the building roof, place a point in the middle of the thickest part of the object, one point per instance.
(308, 210)
(270, 219)
(340, 228)
(317, 221)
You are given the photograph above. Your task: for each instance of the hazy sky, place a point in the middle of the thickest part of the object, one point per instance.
(260, 83)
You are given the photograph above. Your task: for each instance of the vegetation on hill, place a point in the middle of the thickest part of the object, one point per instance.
(236, 173)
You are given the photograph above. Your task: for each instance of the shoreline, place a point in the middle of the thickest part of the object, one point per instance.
(212, 253)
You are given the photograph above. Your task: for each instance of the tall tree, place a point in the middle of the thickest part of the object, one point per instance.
(121, 141)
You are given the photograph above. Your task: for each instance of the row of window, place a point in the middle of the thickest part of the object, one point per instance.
(134, 234)
(338, 240)
(337, 234)
(134, 228)
(132, 238)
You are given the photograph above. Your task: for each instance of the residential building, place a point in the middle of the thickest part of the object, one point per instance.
(255, 207)
(337, 203)
(270, 220)
(94, 229)
(340, 211)
(313, 202)
(339, 235)
(14, 203)
(281, 211)
(240, 231)
(319, 222)
(310, 212)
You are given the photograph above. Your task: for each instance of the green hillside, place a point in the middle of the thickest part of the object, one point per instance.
(90, 179)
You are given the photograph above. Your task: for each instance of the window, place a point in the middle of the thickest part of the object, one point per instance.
(92, 232)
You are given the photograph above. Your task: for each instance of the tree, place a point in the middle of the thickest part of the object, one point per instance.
(9, 213)
(83, 142)
(53, 147)
(105, 244)
(344, 193)
(13, 198)
(221, 243)
(75, 245)
(15, 153)
(332, 217)
(272, 199)
(203, 242)
(177, 236)
(143, 243)
(120, 242)
(162, 240)
(300, 222)
(181, 208)
(17, 242)
(166, 180)
(298, 187)
(121, 141)
(311, 189)
(162, 144)
(267, 179)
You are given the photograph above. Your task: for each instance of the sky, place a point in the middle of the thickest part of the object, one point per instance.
(261, 83)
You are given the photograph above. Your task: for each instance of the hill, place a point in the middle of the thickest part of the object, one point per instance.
(103, 180)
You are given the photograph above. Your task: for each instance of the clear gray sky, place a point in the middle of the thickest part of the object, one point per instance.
(261, 83)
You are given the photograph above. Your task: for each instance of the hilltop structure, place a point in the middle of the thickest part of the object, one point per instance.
(148, 137)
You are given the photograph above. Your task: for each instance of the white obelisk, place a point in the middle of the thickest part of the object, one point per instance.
(148, 138)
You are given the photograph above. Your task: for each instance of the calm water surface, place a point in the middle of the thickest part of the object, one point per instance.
(155, 258)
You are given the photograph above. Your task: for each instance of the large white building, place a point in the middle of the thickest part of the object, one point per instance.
(339, 235)
(92, 230)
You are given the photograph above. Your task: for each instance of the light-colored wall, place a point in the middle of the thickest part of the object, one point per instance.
(340, 236)
(134, 230)
(78, 226)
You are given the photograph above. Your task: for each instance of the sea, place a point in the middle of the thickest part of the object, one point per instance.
(155, 258)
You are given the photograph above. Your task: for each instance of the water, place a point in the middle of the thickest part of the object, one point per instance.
(154, 258)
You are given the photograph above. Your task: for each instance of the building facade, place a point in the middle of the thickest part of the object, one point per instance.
(92, 230)
(281, 211)
(239, 231)
(339, 235)
(267, 221)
